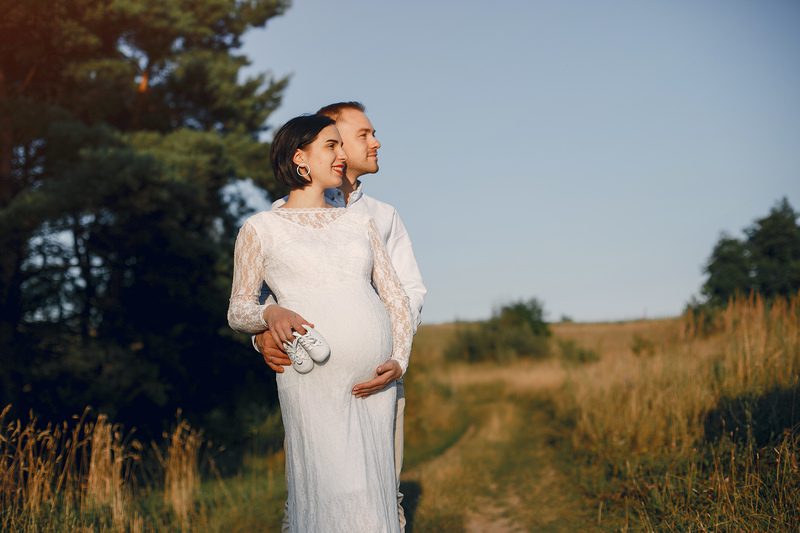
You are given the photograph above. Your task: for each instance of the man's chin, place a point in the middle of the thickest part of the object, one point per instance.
(366, 169)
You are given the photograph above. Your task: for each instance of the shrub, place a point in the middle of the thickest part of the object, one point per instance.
(515, 330)
(573, 354)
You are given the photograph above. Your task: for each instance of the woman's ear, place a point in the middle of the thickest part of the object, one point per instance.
(299, 157)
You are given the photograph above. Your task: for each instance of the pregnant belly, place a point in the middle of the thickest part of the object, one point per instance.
(358, 330)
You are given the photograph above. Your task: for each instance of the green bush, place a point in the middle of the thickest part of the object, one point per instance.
(515, 330)
(573, 354)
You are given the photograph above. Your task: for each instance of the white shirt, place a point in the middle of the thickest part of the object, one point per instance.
(395, 237)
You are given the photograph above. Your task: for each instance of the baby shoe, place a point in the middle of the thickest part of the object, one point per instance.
(314, 344)
(300, 359)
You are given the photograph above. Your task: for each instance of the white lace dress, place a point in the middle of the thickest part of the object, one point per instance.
(326, 264)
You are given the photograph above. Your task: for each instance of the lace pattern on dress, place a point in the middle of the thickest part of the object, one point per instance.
(394, 298)
(245, 314)
(315, 217)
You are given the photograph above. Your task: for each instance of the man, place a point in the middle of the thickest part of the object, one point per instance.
(361, 147)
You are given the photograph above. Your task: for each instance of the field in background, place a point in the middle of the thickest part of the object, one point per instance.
(669, 429)
(695, 432)
(666, 429)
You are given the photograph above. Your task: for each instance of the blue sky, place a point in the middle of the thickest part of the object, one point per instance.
(585, 153)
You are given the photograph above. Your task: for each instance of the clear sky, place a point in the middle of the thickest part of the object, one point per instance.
(585, 153)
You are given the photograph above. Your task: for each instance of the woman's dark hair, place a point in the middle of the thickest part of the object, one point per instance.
(295, 134)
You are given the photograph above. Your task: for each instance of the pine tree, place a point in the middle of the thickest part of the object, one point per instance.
(123, 124)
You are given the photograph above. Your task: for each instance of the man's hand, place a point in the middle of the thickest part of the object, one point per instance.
(273, 354)
(282, 321)
(385, 374)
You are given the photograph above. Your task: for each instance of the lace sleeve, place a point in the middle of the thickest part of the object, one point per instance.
(394, 298)
(245, 313)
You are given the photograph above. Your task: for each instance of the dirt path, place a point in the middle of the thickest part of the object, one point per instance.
(504, 474)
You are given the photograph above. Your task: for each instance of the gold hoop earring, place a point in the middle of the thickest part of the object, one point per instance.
(307, 168)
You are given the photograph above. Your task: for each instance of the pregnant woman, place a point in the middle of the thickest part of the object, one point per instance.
(326, 263)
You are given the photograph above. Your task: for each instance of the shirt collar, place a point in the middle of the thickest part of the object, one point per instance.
(335, 197)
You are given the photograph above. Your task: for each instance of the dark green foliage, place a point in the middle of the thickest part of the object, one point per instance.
(767, 261)
(515, 330)
(122, 126)
(728, 269)
(572, 354)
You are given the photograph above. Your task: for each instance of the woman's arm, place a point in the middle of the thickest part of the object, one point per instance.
(396, 301)
(245, 313)
(394, 298)
(401, 253)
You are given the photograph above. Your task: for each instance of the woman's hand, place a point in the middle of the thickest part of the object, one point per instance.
(385, 374)
(282, 321)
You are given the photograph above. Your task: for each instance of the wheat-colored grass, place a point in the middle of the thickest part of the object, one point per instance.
(646, 417)
(479, 442)
(182, 473)
(80, 476)
(638, 404)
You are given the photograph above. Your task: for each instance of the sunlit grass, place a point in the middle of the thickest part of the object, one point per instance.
(85, 475)
(697, 433)
(667, 430)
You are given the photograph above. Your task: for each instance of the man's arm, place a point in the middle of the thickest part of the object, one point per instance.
(282, 319)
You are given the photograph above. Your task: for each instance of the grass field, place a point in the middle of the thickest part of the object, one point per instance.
(663, 430)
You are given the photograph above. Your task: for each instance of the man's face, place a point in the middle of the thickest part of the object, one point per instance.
(360, 143)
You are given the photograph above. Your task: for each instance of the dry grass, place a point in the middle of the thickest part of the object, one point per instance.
(658, 403)
(617, 339)
(81, 476)
(670, 430)
(522, 376)
(697, 433)
(182, 472)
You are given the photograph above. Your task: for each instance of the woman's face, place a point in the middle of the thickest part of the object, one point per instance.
(325, 157)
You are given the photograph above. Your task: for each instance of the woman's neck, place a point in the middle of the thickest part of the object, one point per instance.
(309, 197)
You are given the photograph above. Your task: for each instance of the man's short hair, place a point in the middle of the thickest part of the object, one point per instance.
(334, 111)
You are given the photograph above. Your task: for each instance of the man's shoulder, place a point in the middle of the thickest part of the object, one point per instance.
(373, 204)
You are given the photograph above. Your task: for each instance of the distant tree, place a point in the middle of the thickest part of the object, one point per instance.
(123, 124)
(767, 261)
(774, 245)
(526, 314)
(729, 270)
(514, 330)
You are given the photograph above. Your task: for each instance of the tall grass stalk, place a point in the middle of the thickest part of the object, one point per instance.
(182, 474)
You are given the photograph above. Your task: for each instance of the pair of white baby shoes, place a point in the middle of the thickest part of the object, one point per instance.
(307, 349)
